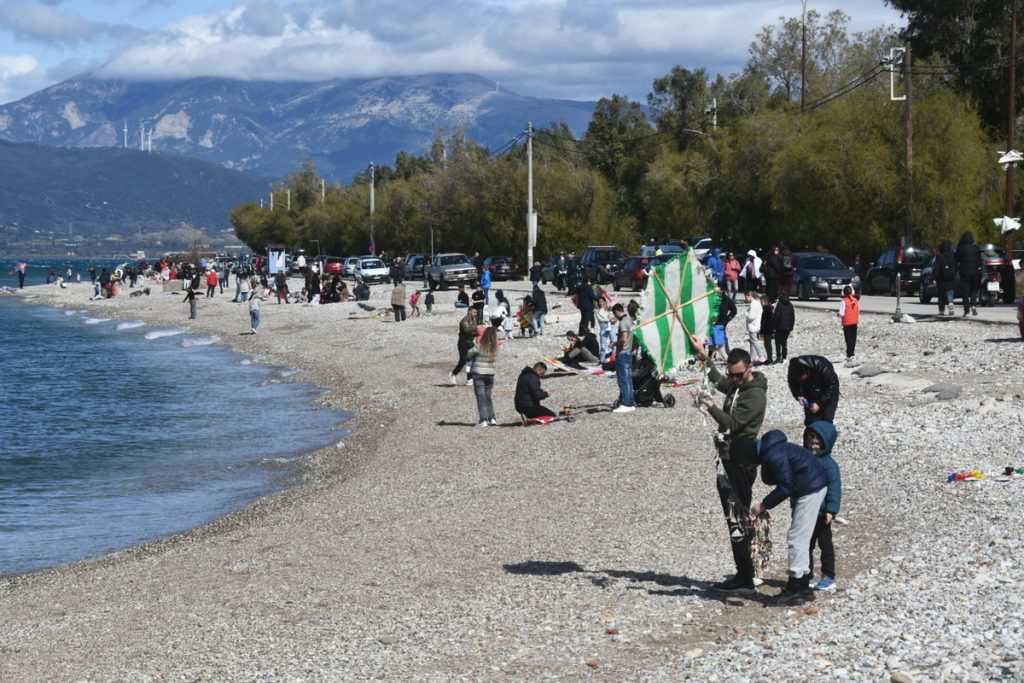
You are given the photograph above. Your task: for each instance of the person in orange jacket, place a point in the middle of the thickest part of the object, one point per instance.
(849, 315)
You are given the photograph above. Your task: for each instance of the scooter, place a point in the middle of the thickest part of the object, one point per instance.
(991, 289)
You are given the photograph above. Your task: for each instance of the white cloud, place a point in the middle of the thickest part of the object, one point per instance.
(20, 74)
(566, 48)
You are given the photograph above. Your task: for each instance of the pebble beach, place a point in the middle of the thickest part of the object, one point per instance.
(420, 548)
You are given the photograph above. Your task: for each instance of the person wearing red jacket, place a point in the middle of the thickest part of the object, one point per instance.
(849, 315)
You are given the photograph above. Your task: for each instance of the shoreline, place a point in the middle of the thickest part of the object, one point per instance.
(428, 550)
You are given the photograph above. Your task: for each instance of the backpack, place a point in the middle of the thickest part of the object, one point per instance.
(787, 263)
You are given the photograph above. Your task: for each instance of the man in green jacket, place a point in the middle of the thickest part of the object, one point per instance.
(739, 421)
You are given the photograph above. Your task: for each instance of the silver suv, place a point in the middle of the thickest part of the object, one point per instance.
(449, 269)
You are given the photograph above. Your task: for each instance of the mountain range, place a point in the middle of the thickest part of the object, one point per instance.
(270, 128)
(90, 194)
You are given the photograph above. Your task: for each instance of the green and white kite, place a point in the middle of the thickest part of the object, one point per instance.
(679, 304)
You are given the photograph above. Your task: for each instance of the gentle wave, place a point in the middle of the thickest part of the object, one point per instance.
(199, 341)
(160, 334)
(95, 321)
(130, 325)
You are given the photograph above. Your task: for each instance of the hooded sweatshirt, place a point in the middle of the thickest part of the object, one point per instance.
(968, 256)
(827, 432)
(742, 411)
(793, 470)
(752, 268)
(715, 265)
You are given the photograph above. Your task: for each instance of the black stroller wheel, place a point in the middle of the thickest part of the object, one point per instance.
(670, 400)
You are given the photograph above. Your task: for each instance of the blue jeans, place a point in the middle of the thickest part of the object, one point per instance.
(624, 374)
(538, 321)
(606, 338)
(487, 295)
(482, 386)
(254, 318)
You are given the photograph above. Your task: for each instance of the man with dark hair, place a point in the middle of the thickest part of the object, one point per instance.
(529, 393)
(813, 382)
(583, 349)
(739, 420)
(585, 301)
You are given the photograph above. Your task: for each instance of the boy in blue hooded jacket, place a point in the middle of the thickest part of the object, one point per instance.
(819, 438)
(798, 475)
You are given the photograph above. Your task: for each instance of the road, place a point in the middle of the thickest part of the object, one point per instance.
(998, 314)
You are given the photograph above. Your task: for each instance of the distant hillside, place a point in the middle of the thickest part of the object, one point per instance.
(98, 192)
(269, 129)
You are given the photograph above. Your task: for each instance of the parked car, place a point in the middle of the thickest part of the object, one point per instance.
(350, 265)
(821, 275)
(667, 249)
(505, 268)
(451, 268)
(415, 266)
(334, 265)
(598, 263)
(700, 245)
(632, 275)
(907, 261)
(549, 270)
(371, 269)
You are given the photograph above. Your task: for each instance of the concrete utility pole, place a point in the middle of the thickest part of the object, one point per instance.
(323, 190)
(271, 201)
(803, 57)
(908, 127)
(1010, 125)
(288, 199)
(531, 217)
(373, 244)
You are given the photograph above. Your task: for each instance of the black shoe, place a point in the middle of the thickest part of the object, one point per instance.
(796, 592)
(736, 584)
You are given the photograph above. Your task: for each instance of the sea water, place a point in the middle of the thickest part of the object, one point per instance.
(111, 435)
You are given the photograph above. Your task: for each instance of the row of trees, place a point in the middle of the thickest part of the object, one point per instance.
(731, 157)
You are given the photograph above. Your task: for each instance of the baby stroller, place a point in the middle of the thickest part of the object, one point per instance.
(646, 384)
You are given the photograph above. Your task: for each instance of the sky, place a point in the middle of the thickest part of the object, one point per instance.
(573, 49)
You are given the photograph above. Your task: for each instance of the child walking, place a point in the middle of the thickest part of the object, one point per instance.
(819, 438)
(849, 316)
(767, 331)
(429, 301)
(605, 332)
(753, 318)
(784, 320)
(414, 303)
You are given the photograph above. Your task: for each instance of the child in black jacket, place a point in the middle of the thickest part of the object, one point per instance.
(767, 331)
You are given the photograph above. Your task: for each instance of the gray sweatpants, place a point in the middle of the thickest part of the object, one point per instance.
(805, 514)
(756, 352)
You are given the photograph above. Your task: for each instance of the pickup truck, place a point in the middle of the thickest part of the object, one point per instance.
(449, 269)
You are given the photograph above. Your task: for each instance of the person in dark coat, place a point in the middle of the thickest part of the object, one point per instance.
(536, 273)
(529, 393)
(819, 439)
(968, 267)
(796, 474)
(813, 382)
(585, 300)
(767, 331)
(772, 271)
(944, 272)
(784, 319)
(540, 308)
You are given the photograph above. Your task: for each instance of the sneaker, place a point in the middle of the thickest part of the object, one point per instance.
(827, 583)
(735, 585)
(811, 583)
(481, 424)
(451, 378)
(469, 381)
(974, 311)
(493, 422)
(624, 409)
(253, 330)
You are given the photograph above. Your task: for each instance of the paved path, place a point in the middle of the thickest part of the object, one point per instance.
(998, 314)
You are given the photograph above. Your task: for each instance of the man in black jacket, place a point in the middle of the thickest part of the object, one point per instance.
(944, 272)
(813, 382)
(968, 266)
(585, 300)
(540, 308)
(529, 393)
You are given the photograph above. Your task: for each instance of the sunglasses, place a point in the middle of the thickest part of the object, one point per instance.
(738, 375)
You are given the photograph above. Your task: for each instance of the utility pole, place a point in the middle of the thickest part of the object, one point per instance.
(373, 244)
(288, 200)
(908, 128)
(271, 201)
(1010, 125)
(323, 191)
(531, 217)
(803, 57)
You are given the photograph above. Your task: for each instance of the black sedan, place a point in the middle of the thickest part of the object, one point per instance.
(505, 268)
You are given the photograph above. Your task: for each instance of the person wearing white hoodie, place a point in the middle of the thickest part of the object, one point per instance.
(752, 272)
(754, 326)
